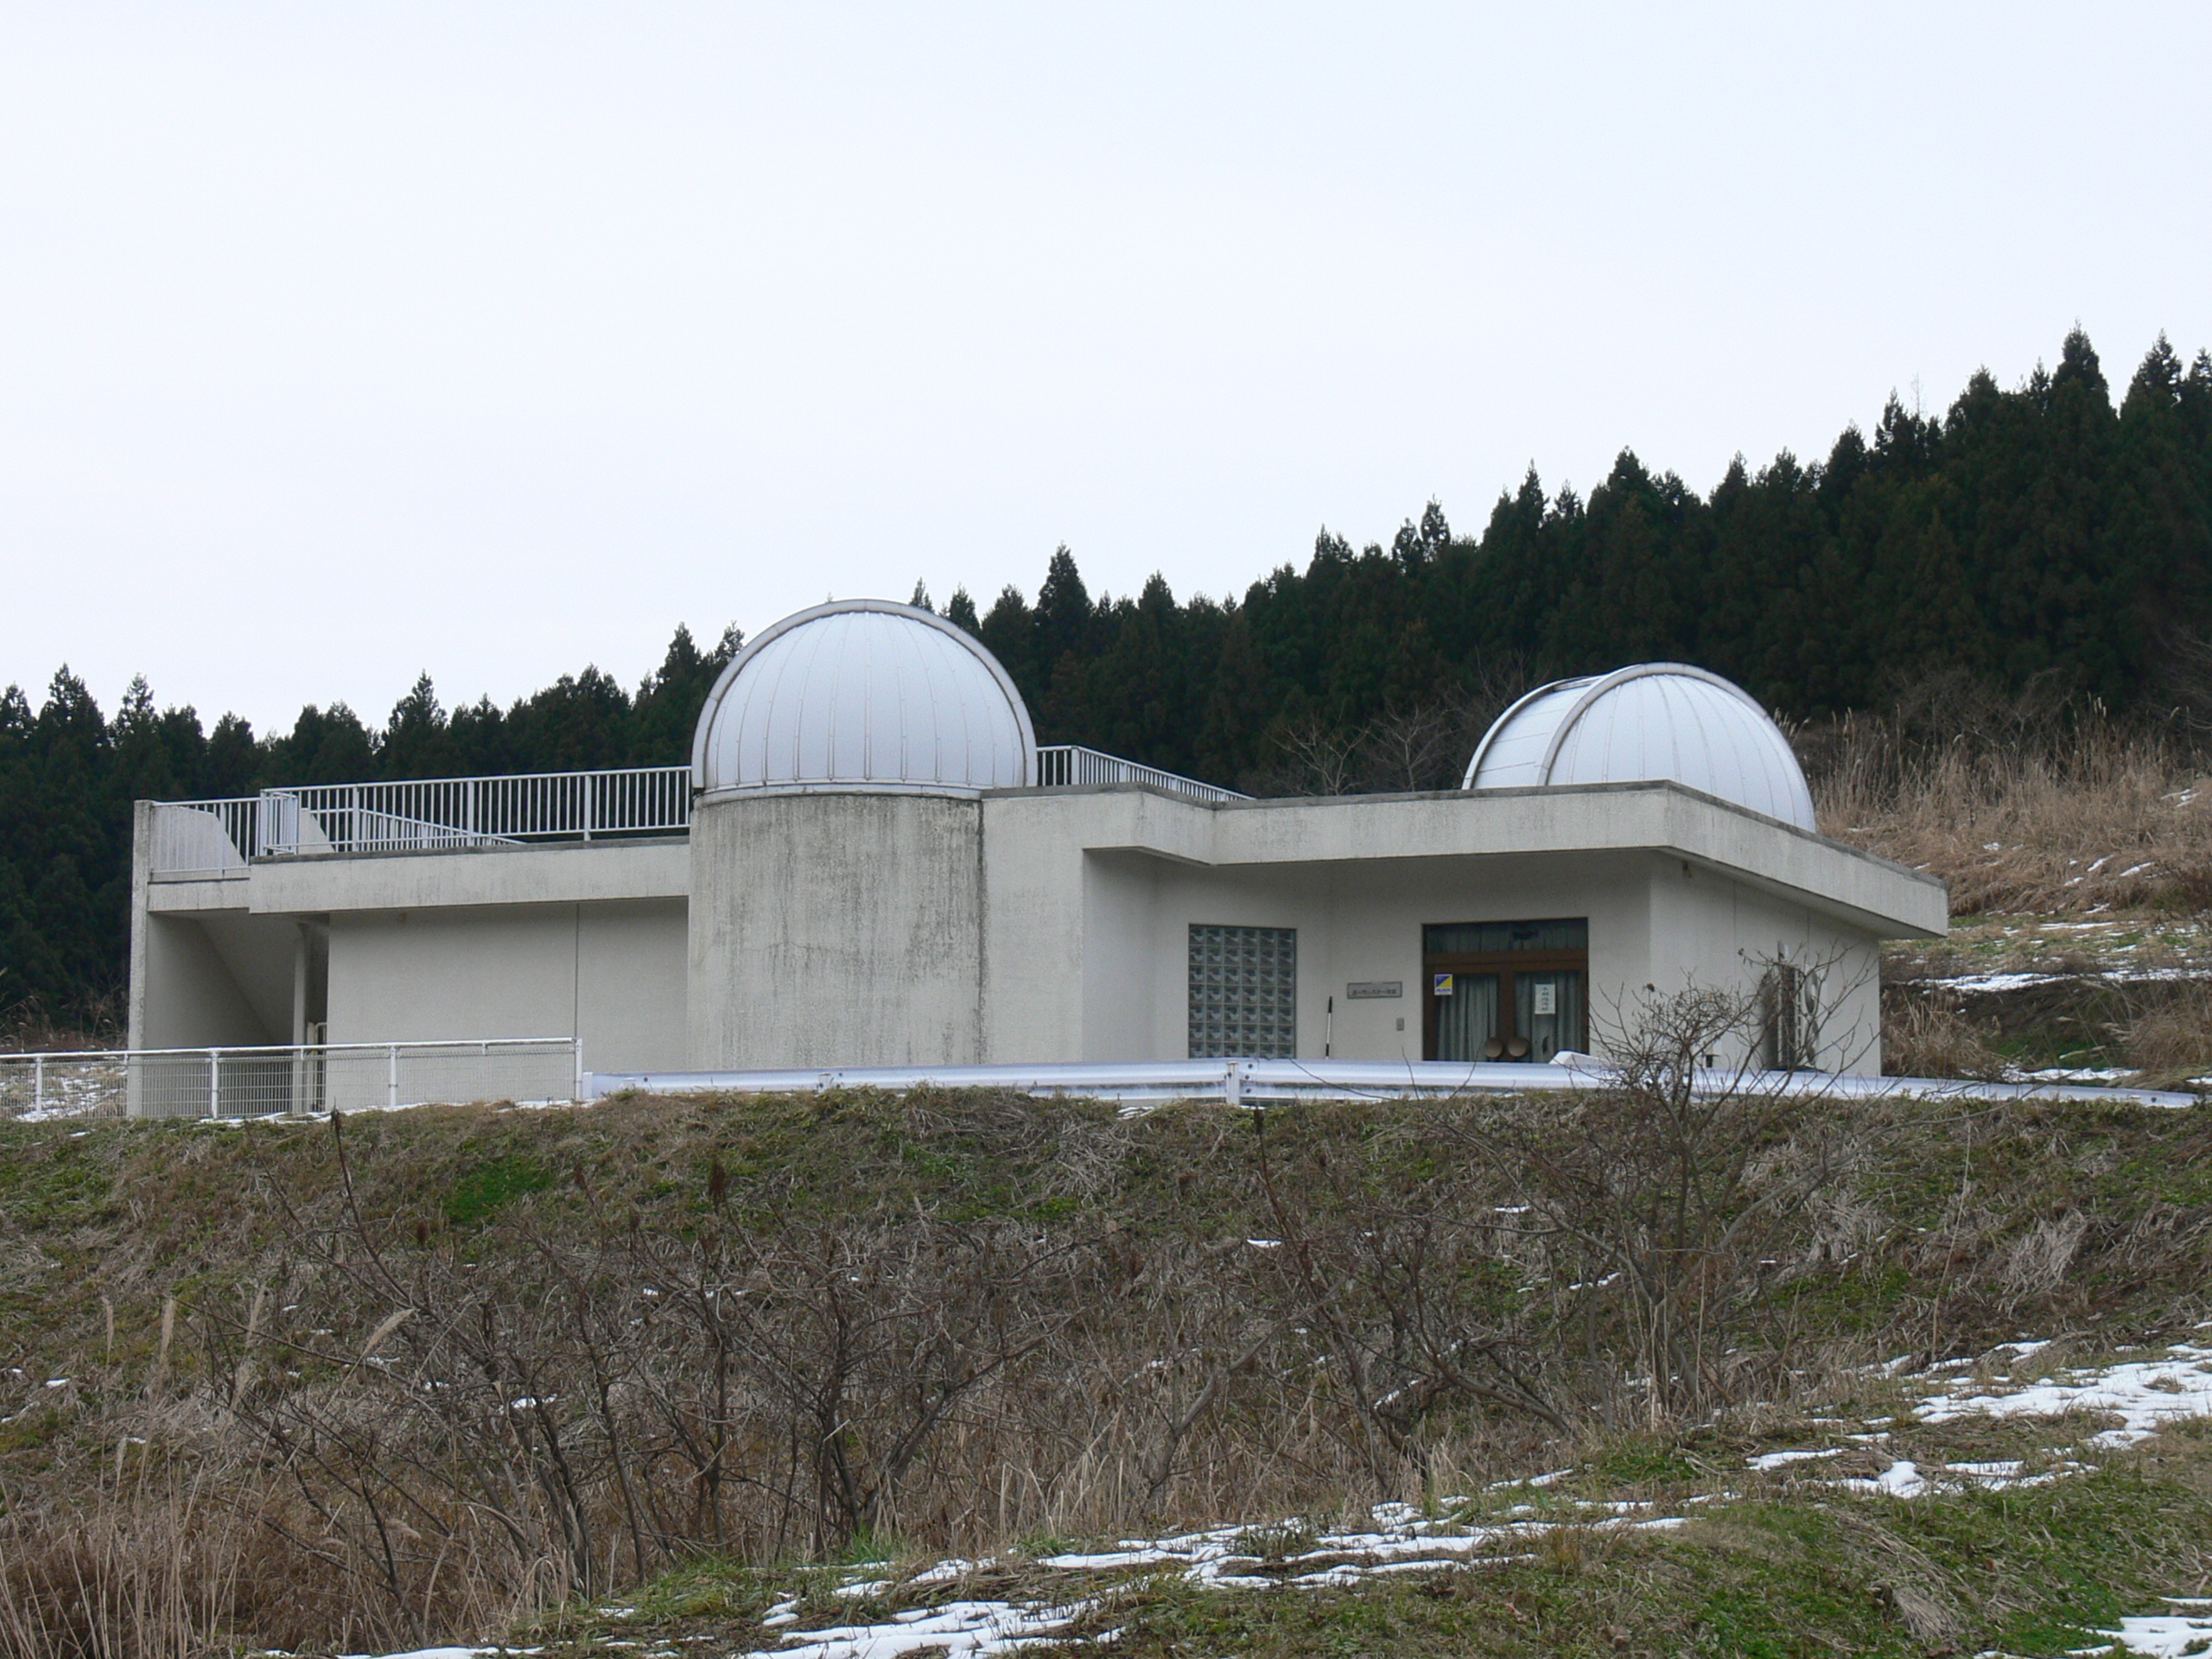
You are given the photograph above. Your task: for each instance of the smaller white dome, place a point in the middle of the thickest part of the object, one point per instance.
(864, 694)
(1637, 725)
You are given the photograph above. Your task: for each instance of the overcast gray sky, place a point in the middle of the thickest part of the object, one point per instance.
(341, 342)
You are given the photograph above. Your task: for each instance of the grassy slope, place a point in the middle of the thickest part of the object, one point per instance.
(120, 1218)
(1780, 1574)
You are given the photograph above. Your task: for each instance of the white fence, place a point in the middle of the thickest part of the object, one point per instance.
(205, 837)
(218, 837)
(1068, 765)
(266, 1082)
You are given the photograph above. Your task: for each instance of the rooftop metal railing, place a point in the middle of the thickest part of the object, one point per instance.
(475, 811)
(205, 838)
(1065, 766)
(219, 838)
(208, 838)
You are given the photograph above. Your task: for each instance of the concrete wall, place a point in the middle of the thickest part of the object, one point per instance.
(1717, 933)
(191, 998)
(835, 929)
(1355, 922)
(572, 872)
(611, 972)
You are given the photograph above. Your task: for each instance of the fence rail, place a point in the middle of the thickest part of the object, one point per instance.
(1064, 765)
(271, 1081)
(217, 838)
(475, 811)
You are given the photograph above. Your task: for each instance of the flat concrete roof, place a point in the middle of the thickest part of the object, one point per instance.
(1664, 817)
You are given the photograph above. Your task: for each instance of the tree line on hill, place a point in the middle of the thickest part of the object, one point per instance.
(2040, 537)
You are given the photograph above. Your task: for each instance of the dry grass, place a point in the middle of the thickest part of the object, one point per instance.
(2173, 1039)
(1928, 1035)
(2021, 805)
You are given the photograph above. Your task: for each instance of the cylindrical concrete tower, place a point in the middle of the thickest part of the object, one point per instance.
(837, 841)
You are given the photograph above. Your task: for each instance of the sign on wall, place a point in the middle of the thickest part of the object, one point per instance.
(1360, 988)
(1443, 985)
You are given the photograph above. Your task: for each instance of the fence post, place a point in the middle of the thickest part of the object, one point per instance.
(391, 1077)
(214, 1083)
(38, 1084)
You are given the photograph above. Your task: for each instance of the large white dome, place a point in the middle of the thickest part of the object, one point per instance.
(1656, 721)
(864, 694)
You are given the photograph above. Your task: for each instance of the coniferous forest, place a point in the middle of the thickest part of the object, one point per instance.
(2056, 537)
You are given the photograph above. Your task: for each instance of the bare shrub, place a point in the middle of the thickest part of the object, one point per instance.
(1408, 1294)
(1686, 1196)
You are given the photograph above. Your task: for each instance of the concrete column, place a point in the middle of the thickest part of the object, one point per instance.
(302, 949)
(835, 930)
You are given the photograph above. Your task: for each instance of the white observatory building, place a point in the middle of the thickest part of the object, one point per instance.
(871, 862)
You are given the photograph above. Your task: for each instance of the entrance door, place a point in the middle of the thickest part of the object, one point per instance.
(1505, 990)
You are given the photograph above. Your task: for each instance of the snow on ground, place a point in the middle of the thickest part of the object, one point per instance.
(2145, 1394)
(2162, 1635)
(956, 1628)
(1987, 984)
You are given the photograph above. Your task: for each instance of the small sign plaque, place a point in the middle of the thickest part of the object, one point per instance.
(1362, 988)
(1444, 984)
(1547, 996)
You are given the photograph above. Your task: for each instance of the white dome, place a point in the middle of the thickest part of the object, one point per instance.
(864, 694)
(1660, 720)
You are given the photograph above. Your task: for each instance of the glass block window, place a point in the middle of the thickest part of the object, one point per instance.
(1244, 993)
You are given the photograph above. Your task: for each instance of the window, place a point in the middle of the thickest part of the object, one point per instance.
(1244, 993)
(1505, 990)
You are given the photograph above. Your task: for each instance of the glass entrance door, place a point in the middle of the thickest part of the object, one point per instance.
(1505, 990)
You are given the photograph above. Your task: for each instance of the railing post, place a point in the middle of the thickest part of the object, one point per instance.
(391, 1077)
(38, 1084)
(214, 1083)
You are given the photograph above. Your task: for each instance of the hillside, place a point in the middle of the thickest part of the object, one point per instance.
(480, 1374)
